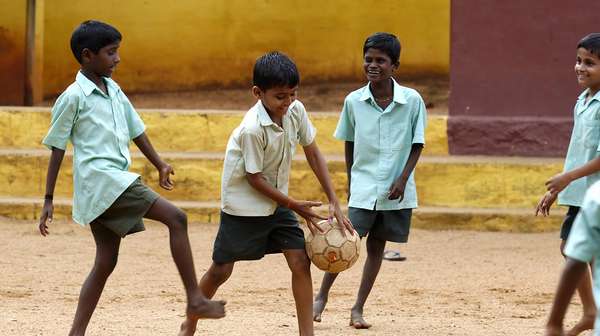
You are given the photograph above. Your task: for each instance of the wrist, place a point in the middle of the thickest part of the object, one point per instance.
(289, 203)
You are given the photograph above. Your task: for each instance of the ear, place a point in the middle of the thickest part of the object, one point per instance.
(396, 66)
(257, 92)
(86, 55)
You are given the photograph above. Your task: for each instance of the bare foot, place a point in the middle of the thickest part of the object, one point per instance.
(206, 309)
(586, 323)
(188, 328)
(318, 307)
(357, 321)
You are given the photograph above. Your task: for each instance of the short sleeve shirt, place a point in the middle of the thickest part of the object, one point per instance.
(584, 240)
(100, 127)
(382, 143)
(583, 147)
(260, 145)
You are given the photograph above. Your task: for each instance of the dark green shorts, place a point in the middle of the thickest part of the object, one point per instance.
(125, 215)
(250, 238)
(389, 225)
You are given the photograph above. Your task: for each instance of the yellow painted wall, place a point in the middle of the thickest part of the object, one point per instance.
(172, 45)
(12, 51)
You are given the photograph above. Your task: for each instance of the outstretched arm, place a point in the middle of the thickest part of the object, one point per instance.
(317, 163)
(53, 168)
(303, 208)
(570, 278)
(397, 189)
(164, 169)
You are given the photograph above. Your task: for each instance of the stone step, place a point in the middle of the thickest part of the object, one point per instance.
(189, 130)
(432, 218)
(442, 181)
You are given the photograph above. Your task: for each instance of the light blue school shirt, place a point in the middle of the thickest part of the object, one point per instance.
(382, 143)
(583, 147)
(100, 128)
(583, 243)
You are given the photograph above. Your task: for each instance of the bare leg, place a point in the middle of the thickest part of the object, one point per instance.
(375, 249)
(107, 251)
(176, 220)
(299, 264)
(323, 295)
(216, 275)
(584, 289)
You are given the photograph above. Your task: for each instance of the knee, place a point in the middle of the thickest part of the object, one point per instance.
(179, 220)
(299, 263)
(106, 264)
(375, 246)
(218, 274)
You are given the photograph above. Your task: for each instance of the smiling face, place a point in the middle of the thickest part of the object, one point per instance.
(587, 70)
(103, 63)
(378, 65)
(276, 100)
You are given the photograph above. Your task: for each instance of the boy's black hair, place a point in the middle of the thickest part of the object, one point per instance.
(93, 35)
(591, 43)
(386, 42)
(275, 69)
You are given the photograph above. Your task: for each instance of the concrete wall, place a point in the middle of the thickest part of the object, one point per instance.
(12, 51)
(190, 43)
(512, 82)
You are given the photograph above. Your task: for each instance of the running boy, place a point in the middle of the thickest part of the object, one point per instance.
(257, 215)
(582, 164)
(582, 248)
(96, 116)
(383, 126)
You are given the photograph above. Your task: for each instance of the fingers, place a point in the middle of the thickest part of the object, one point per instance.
(314, 204)
(43, 227)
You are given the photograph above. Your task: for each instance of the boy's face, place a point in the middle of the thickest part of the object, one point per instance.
(276, 100)
(378, 65)
(587, 69)
(104, 62)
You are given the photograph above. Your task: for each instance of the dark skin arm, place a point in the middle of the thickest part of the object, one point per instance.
(317, 163)
(397, 189)
(164, 169)
(48, 209)
(349, 156)
(560, 181)
(303, 208)
(570, 278)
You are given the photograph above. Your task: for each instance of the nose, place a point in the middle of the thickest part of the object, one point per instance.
(117, 58)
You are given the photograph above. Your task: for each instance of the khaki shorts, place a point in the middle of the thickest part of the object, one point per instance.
(125, 215)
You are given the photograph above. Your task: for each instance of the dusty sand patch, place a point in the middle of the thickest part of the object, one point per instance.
(453, 283)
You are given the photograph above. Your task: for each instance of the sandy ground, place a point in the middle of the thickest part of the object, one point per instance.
(453, 283)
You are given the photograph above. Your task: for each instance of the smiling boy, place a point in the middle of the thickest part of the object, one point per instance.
(383, 126)
(257, 215)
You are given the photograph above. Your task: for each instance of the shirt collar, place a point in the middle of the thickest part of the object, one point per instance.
(585, 93)
(88, 86)
(263, 115)
(398, 94)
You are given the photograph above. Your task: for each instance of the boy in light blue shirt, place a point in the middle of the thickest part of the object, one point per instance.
(96, 116)
(582, 164)
(383, 126)
(582, 248)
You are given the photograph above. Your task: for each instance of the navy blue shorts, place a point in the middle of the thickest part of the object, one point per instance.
(389, 225)
(567, 224)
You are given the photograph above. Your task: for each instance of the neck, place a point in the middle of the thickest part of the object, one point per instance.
(93, 77)
(382, 89)
(592, 91)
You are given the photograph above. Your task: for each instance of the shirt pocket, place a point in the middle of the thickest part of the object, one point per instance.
(591, 133)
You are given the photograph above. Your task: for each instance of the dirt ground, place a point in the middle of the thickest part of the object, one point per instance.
(453, 283)
(327, 96)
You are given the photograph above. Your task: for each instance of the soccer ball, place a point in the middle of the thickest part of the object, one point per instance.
(331, 250)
